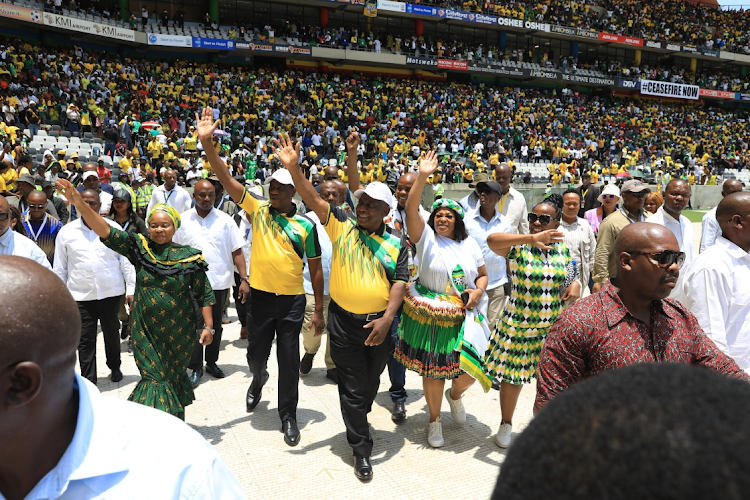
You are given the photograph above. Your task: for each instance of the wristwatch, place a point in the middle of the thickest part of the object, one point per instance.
(245, 280)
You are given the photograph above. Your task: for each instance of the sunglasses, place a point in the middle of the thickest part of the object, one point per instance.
(4, 215)
(608, 196)
(485, 191)
(665, 258)
(37, 207)
(640, 194)
(543, 219)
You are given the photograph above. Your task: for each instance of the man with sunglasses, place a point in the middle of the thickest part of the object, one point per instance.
(605, 262)
(631, 321)
(13, 243)
(40, 226)
(27, 185)
(715, 286)
(669, 215)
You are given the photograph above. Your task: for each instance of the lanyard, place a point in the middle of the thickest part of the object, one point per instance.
(501, 204)
(125, 227)
(41, 228)
(583, 195)
(166, 197)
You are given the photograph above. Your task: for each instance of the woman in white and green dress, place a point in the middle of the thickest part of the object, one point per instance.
(543, 276)
(434, 339)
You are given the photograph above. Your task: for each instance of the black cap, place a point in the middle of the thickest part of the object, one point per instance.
(492, 185)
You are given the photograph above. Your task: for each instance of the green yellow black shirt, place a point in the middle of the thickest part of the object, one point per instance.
(280, 241)
(363, 265)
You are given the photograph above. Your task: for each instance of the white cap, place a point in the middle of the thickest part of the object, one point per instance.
(282, 176)
(90, 173)
(376, 191)
(609, 189)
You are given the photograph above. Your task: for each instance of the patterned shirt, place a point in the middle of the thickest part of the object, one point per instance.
(536, 298)
(43, 233)
(280, 241)
(598, 333)
(363, 265)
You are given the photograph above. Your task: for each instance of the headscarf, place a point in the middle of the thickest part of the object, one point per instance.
(169, 210)
(448, 203)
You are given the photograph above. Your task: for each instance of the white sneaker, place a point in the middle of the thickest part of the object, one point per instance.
(435, 434)
(502, 438)
(457, 408)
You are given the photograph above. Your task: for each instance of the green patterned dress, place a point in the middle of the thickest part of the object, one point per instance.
(535, 303)
(163, 318)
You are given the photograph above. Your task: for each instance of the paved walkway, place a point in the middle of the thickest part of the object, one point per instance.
(321, 465)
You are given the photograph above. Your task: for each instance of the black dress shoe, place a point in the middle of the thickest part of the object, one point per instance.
(253, 394)
(399, 412)
(306, 364)
(363, 468)
(195, 378)
(116, 375)
(214, 371)
(124, 331)
(333, 374)
(291, 432)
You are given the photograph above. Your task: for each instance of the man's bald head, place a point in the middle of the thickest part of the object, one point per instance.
(90, 167)
(731, 186)
(331, 173)
(733, 215)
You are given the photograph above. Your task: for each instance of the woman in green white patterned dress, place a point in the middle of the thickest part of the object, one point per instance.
(541, 275)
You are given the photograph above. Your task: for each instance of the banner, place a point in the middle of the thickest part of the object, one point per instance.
(451, 64)
(421, 61)
(719, 94)
(627, 40)
(424, 10)
(371, 8)
(277, 48)
(212, 43)
(591, 80)
(88, 27)
(457, 15)
(742, 96)
(630, 84)
(498, 70)
(170, 40)
(710, 53)
(674, 46)
(20, 13)
(654, 45)
(570, 31)
(667, 89)
(520, 23)
(485, 19)
(390, 6)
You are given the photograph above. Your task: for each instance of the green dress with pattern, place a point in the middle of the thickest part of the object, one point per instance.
(163, 318)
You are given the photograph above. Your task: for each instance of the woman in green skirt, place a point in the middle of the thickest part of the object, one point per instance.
(433, 340)
(543, 277)
(163, 318)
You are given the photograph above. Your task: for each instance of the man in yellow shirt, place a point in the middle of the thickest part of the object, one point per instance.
(155, 148)
(191, 141)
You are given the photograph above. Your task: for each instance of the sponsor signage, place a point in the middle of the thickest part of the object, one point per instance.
(667, 89)
(270, 47)
(391, 6)
(591, 80)
(457, 15)
(484, 19)
(719, 94)
(212, 43)
(421, 61)
(170, 40)
(520, 23)
(742, 96)
(451, 64)
(498, 70)
(88, 27)
(20, 13)
(630, 84)
(689, 48)
(710, 53)
(570, 31)
(627, 40)
(654, 45)
(424, 10)
(674, 46)
(547, 75)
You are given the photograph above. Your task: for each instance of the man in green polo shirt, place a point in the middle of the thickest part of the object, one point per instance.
(369, 272)
(281, 238)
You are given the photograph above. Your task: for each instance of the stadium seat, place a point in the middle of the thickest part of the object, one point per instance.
(65, 133)
(57, 128)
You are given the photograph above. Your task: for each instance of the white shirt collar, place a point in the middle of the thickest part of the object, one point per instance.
(732, 249)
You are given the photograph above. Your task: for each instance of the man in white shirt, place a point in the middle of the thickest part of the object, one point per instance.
(676, 198)
(97, 278)
(579, 237)
(709, 225)
(216, 235)
(171, 194)
(13, 243)
(715, 286)
(512, 204)
(61, 439)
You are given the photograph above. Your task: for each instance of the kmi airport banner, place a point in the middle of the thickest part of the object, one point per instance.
(83, 26)
(667, 89)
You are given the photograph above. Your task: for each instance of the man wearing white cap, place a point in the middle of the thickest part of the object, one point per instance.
(282, 237)
(369, 272)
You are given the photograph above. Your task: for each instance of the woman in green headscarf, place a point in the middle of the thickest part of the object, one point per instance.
(163, 320)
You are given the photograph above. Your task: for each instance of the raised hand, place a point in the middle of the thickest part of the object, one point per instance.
(64, 187)
(353, 141)
(428, 164)
(286, 150)
(205, 124)
(546, 238)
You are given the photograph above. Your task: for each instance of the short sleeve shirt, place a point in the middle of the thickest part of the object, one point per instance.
(280, 241)
(363, 265)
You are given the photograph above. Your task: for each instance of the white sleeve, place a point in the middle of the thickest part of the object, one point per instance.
(218, 484)
(710, 230)
(477, 251)
(707, 294)
(151, 202)
(38, 256)
(61, 259)
(236, 238)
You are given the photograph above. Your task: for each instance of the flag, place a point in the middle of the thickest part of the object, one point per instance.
(371, 8)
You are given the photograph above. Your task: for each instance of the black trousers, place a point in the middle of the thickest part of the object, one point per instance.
(104, 312)
(277, 316)
(241, 308)
(212, 350)
(359, 368)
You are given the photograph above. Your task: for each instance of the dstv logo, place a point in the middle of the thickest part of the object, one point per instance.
(629, 84)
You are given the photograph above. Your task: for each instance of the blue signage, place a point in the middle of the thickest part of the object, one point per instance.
(422, 10)
(212, 43)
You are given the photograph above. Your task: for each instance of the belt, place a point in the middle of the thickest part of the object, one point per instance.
(361, 317)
